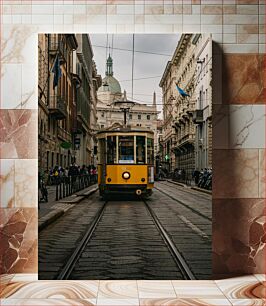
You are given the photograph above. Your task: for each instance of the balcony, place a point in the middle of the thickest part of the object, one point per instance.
(56, 46)
(57, 107)
(63, 134)
(187, 139)
(198, 116)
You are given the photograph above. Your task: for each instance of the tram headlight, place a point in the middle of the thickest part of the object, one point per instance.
(126, 175)
(151, 175)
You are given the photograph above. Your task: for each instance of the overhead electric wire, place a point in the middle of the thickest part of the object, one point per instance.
(132, 76)
(137, 51)
(152, 77)
(112, 45)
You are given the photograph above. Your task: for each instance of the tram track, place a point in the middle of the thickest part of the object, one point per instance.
(180, 261)
(189, 190)
(98, 224)
(184, 204)
(69, 266)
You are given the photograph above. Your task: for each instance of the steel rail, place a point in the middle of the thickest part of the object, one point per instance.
(69, 266)
(184, 204)
(180, 261)
(188, 190)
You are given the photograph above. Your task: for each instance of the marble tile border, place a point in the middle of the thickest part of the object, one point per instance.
(237, 291)
(237, 24)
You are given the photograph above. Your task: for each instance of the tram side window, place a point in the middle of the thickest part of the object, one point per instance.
(101, 151)
(150, 157)
(111, 149)
(140, 142)
(126, 149)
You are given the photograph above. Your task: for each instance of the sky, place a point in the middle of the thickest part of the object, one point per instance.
(146, 64)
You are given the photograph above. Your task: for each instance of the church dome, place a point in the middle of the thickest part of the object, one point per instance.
(110, 83)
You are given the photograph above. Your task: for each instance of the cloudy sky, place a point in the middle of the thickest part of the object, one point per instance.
(146, 65)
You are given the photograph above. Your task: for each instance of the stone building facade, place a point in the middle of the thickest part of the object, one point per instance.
(67, 76)
(88, 84)
(56, 99)
(181, 130)
(203, 112)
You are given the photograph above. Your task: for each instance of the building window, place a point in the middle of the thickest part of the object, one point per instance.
(139, 117)
(102, 126)
(148, 117)
(102, 114)
(130, 116)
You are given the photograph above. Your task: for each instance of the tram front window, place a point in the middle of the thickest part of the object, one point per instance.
(111, 149)
(140, 142)
(126, 149)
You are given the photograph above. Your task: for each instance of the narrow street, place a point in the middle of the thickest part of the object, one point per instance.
(126, 243)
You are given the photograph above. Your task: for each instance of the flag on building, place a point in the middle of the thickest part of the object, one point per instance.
(56, 71)
(181, 91)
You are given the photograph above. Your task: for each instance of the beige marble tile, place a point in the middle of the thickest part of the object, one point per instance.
(48, 302)
(211, 9)
(191, 28)
(229, 38)
(247, 126)
(211, 19)
(247, 38)
(245, 287)
(235, 173)
(7, 183)
(18, 240)
(96, 9)
(11, 86)
(118, 302)
(155, 289)
(18, 131)
(26, 185)
(118, 290)
(197, 289)
(5, 279)
(154, 9)
(17, 43)
(237, 232)
(229, 9)
(211, 28)
(262, 168)
(248, 302)
(184, 302)
(187, 9)
(247, 9)
(260, 277)
(25, 277)
(240, 19)
(51, 290)
(229, 28)
(247, 29)
(191, 19)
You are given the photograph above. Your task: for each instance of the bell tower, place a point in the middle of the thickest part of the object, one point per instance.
(109, 66)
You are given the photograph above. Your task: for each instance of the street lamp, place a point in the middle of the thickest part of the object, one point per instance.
(125, 106)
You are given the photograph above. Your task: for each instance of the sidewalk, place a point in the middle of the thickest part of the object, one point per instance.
(52, 210)
(191, 187)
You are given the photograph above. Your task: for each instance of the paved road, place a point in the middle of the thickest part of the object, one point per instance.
(126, 244)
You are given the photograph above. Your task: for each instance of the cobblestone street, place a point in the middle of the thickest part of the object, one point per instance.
(126, 243)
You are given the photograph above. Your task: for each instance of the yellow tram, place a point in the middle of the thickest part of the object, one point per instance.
(125, 161)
